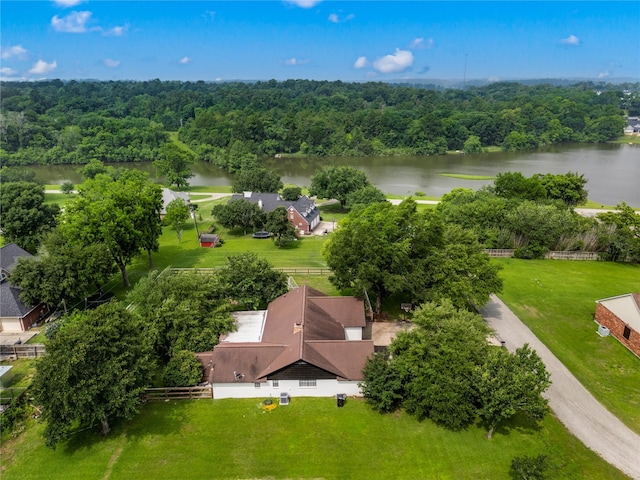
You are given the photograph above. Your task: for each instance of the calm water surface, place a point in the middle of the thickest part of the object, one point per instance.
(613, 171)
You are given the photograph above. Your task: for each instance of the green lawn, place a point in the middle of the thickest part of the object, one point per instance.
(310, 438)
(467, 177)
(556, 299)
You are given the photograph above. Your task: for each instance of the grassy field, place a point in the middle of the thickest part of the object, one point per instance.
(311, 438)
(634, 139)
(556, 299)
(467, 177)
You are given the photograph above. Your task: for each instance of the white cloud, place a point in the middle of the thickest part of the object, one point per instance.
(420, 43)
(184, 60)
(304, 3)
(15, 51)
(361, 62)
(293, 61)
(397, 62)
(335, 18)
(72, 23)
(9, 72)
(41, 67)
(111, 63)
(570, 40)
(116, 31)
(604, 74)
(67, 3)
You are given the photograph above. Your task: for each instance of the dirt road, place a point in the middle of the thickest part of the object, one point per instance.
(576, 408)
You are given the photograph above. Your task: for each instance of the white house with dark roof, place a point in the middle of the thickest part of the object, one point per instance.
(306, 344)
(302, 213)
(15, 315)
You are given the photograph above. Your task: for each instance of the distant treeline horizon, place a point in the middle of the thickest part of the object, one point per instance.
(73, 122)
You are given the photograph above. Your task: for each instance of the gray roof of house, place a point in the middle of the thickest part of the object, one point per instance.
(9, 255)
(10, 303)
(169, 195)
(270, 201)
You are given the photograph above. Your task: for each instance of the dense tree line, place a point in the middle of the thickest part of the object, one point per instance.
(53, 121)
(535, 215)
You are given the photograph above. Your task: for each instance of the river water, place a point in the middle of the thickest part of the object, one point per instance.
(613, 171)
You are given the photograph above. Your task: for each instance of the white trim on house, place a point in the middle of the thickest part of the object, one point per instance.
(323, 388)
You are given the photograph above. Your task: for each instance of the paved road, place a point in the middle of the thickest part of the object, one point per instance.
(576, 408)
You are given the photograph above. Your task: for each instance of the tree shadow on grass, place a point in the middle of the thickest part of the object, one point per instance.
(154, 419)
(520, 423)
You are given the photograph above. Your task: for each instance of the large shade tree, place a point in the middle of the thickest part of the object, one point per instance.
(337, 182)
(445, 370)
(510, 383)
(251, 281)
(95, 370)
(66, 271)
(175, 164)
(24, 217)
(389, 249)
(184, 311)
(239, 213)
(121, 214)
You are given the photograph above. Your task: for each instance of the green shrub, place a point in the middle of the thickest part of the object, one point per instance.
(12, 419)
(529, 468)
(530, 252)
(183, 370)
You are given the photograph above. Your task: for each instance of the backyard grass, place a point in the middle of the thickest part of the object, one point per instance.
(59, 198)
(556, 299)
(310, 438)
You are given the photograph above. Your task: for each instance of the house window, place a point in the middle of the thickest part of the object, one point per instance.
(257, 384)
(275, 383)
(627, 332)
(306, 383)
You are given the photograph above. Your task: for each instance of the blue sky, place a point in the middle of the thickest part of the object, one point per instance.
(322, 40)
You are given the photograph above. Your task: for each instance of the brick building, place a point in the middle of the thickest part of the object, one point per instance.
(621, 315)
(302, 213)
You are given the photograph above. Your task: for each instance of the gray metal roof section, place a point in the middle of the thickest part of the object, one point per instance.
(249, 327)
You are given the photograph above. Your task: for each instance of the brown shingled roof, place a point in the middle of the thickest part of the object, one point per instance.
(302, 325)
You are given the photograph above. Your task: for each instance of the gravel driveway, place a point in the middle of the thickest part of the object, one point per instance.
(574, 406)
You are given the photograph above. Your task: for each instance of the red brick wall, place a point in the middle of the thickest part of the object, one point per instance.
(298, 221)
(616, 327)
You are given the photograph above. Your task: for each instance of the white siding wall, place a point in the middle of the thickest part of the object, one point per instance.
(353, 333)
(323, 388)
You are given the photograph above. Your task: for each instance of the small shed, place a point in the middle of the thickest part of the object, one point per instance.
(209, 240)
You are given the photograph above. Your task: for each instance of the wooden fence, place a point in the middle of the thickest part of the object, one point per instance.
(178, 393)
(564, 255)
(25, 350)
(286, 270)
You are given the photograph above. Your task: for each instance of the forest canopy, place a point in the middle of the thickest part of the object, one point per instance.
(73, 122)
